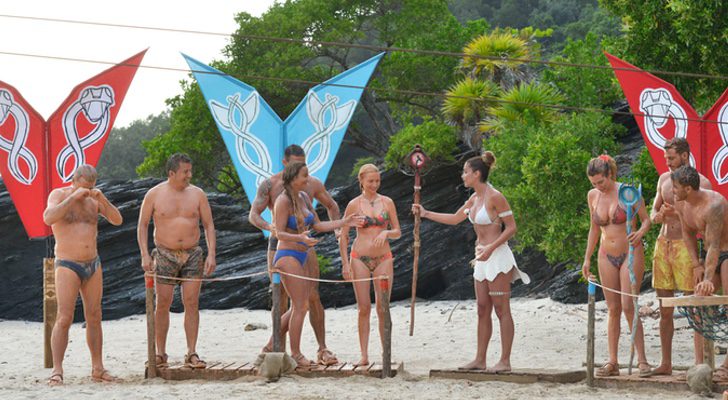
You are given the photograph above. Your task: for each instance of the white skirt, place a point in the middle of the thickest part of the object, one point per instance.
(501, 260)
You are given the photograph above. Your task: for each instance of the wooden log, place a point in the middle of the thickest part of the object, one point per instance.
(590, 337)
(694, 301)
(515, 376)
(276, 312)
(151, 339)
(387, 339)
(50, 309)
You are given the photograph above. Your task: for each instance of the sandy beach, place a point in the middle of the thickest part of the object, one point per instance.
(549, 335)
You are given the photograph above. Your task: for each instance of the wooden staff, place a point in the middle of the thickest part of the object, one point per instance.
(387, 339)
(151, 340)
(50, 309)
(416, 259)
(417, 159)
(590, 337)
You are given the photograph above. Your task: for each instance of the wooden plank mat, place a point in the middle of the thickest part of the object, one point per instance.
(677, 381)
(221, 371)
(515, 376)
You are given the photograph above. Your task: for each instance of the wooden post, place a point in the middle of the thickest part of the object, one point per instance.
(387, 339)
(416, 257)
(590, 337)
(50, 309)
(151, 335)
(708, 353)
(276, 312)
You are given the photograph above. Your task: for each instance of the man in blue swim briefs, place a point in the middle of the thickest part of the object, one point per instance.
(266, 196)
(72, 213)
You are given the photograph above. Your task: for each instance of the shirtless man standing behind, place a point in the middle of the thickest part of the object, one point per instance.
(177, 208)
(72, 213)
(704, 212)
(268, 191)
(672, 268)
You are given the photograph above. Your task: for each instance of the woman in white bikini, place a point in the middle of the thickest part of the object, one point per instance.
(494, 265)
(370, 252)
(609, 228)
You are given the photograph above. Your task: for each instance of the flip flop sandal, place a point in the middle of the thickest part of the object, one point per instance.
(302, 361)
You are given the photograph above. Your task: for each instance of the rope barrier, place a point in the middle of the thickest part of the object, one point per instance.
(308, 278)
(227, 278)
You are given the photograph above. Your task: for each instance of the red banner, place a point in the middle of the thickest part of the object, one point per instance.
(37, 156)
(78, 129)
(22, 144)
(662, 113)
(715, 144)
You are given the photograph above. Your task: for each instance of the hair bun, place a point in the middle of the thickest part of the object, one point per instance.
(488, 158)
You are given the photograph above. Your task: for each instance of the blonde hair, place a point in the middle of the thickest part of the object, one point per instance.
(365, 169)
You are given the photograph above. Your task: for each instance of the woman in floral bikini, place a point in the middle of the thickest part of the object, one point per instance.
(370, 252)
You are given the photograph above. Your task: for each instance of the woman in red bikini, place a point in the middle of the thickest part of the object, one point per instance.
(370, 252)
(609, 222)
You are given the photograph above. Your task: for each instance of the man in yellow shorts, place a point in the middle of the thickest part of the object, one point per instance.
(672, 267)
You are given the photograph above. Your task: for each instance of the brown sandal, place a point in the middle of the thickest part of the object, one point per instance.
(104, 377)
(55, 380)
(608, 369)
(160, 361)
(302, 361)
(326, 357)
(197, 364)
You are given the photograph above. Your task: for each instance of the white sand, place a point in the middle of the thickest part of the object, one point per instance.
(548, 335)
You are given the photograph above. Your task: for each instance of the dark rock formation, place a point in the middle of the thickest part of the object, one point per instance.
(241, 249)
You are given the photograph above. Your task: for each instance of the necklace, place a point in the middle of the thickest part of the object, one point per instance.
(371, 202)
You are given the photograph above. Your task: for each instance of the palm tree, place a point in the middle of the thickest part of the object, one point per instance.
(530, 101)
(466, 104)
(492, 57)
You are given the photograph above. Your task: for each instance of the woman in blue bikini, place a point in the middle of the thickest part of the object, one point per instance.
(370, 252)
(294, 217)
(494, 267)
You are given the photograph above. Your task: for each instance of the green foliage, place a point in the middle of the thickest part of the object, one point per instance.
(193, 132)
(547, 185)
(358, 164)
(123, 150)
(676, 35)
(584, 87)
(437, 139)
(325, 264)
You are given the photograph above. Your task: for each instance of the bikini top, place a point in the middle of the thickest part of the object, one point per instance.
(482, 217)
(619, 216)
(369, 222)
(307, 221)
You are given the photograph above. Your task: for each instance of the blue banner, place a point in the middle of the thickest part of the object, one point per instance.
(255, 136)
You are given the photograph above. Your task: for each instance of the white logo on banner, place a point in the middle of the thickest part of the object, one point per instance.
(658, 106)
(326, 118)
(16, 147)
(94, 102)
(237, 117)
(722, 153)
